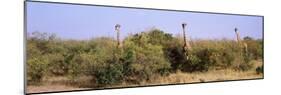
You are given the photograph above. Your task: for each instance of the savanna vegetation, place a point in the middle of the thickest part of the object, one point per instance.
(145, 58)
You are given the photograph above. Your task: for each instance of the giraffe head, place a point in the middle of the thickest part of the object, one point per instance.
(183, 25)
(117, 26)
(235, 29)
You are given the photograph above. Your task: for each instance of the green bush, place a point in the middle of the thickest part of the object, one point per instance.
(36, 69)
(111, 74)
(145, 55)
(80, 65)
(202, 60)
(142, 56)
(255, 48)
(174, 54)
(57, 64)
(129, 58)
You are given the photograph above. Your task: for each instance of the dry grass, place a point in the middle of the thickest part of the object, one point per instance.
(180, 77)
(51, 88)
(64, 84)
(50, 84)
(212, 75)
(216, 75)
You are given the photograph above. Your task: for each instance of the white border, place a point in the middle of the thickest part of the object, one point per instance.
(11, 51)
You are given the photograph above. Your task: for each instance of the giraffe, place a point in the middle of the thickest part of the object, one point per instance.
(186, 46)
(242, 45)
(118, 47)
(117, 30)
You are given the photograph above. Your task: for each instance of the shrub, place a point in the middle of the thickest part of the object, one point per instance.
(175, 56)
(245, 66)
(111, 74)
(36, 69)
(80, 65)
(129, 58)
(149, 60)
(57, 64)
(255, 49)
(141, 72)
(259, 69)
(202, 60)
(146, 55)
(142, 56)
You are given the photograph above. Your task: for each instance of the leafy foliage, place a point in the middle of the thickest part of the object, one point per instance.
(36, 69)
(111, 74)
(142, 56)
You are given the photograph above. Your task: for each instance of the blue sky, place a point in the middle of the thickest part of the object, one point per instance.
(85, 22)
